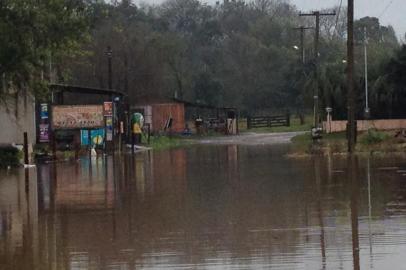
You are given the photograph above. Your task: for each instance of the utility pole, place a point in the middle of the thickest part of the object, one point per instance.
(366, 72)
(109, 120)
(316, 14)
(351, 125)
(302, 38)
(109, 54)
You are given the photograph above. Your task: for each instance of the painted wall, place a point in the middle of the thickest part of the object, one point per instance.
(17, 118)
(363, 125)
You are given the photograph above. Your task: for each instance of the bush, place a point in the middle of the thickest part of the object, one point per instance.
(373, 137)
(9, 156)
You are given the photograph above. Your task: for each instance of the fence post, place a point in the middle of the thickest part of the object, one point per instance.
(132, 142)
(302, 118)
(26, 159)
(149, 133)
(237, 119)
(288, 119)
(248, 122)
(269, 122)
(89, 141)
(53, 143)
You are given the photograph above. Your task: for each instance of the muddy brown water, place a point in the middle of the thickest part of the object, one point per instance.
(206, 207)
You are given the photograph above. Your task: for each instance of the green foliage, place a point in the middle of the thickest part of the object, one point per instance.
(235, 53)
(31, 32)
(373, 137)
(9, 156)
(165, 142)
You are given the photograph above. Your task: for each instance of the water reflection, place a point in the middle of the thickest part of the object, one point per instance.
(205, 207)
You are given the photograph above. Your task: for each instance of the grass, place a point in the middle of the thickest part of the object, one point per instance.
(295, 126)
(371, 141)
(161, 142)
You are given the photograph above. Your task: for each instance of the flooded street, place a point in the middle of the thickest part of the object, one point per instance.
(205, 207)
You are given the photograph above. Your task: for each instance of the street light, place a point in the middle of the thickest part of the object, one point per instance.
(329, 110)
(295, 47)
(366, 73)
(109, 54)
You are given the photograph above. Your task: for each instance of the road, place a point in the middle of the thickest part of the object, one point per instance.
(252, 138)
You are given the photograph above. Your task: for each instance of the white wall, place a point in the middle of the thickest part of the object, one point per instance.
(12, 128)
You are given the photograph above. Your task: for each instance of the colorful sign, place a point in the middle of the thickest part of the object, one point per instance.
(77, 116)
(108, 108)
(44, 111)
(109, 128)
(44, 133)
(96, 135)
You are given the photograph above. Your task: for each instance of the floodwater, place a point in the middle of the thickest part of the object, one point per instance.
(205, 207)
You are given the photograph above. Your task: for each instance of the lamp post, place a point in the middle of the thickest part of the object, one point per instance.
(109, 54)
(329, 110)
(109, 120)
(366, 73)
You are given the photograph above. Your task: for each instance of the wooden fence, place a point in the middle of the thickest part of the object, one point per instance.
(268, 121)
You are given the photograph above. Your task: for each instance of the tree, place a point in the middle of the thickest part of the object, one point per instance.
(33, 32)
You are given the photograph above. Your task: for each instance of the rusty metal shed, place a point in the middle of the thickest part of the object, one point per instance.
(158, 112)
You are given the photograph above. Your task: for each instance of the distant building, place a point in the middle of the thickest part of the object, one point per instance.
(162, 114)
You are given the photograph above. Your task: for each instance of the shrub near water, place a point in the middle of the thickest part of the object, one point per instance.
(373, 137)
(9, 156)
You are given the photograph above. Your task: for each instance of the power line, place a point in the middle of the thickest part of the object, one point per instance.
(338, 16)
(386, 8)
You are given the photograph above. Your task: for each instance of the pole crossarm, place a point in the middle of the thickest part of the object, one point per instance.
(314, 13)
(302, 28)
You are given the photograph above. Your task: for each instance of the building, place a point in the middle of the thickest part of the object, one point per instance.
(163, 115)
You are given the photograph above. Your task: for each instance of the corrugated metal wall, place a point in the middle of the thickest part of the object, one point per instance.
(162, 112)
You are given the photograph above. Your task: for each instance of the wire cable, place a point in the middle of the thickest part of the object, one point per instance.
(338, 16)
(386, 9)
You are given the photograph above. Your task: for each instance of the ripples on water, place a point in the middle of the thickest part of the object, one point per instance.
(205, 207)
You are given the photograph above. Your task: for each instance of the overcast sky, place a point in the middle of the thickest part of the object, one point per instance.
(391, 12)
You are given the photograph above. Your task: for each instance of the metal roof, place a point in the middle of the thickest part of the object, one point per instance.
(84, 89)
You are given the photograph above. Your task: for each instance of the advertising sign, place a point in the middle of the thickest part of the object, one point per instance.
(77, 116)
(44, 133)
(108, 108)
(44, 111)
(109, 128)
(97, 136)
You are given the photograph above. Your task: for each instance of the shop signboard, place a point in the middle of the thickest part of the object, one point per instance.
(108, 108)
(77, 116)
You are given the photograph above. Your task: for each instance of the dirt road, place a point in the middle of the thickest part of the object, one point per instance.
(253, 138)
